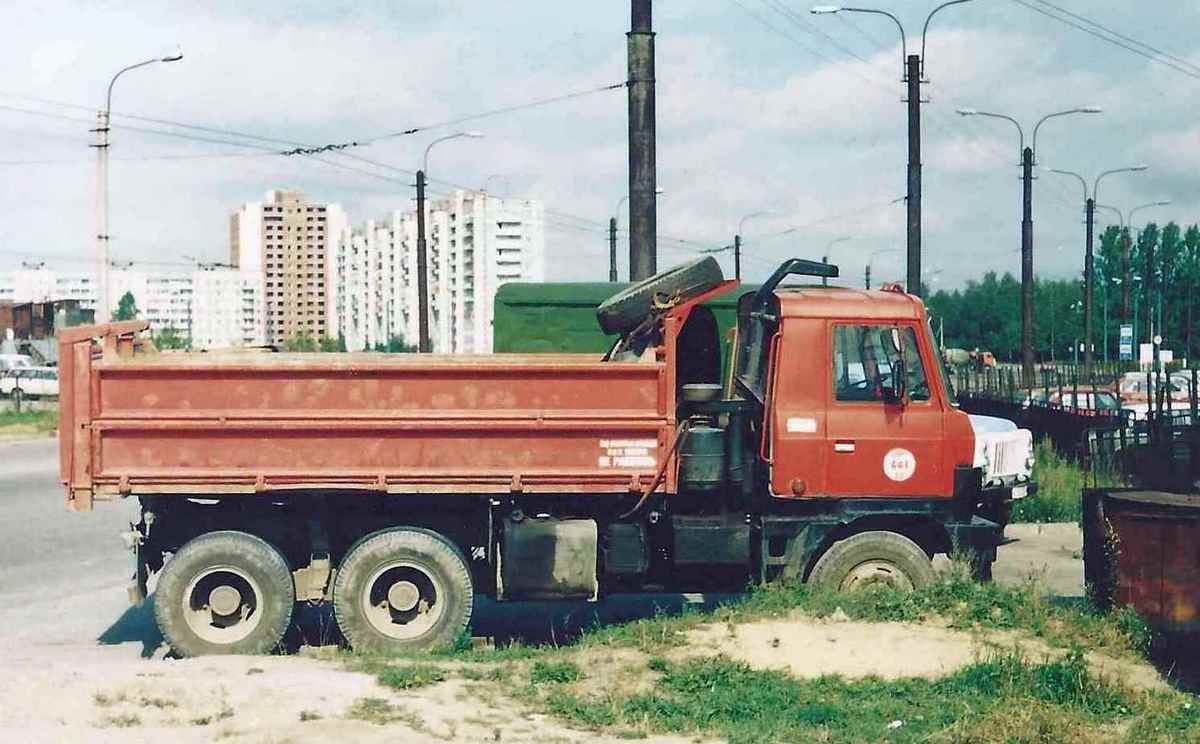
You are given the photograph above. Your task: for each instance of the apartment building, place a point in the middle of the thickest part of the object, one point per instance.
(282, 244)
(475, 243)
(165, 300)
(226, 308)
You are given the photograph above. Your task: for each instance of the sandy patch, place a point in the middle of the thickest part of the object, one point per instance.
(808, 647)
(251, 700)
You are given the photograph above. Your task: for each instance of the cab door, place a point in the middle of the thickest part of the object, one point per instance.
(876, 446)
(794, 444)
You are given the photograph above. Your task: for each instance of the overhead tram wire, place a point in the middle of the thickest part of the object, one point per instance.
(1119, 35)
(1155, 56)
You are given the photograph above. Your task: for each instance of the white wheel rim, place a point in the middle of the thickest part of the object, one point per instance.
(876, 572)
(222, 605)
(403, 600)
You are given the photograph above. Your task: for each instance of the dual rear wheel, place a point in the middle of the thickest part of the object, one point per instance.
(231, 592)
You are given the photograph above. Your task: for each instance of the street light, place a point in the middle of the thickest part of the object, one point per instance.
(871, 260)
(1028, 158)
(612, 234)
(103, 306)
(737, 241)
(424, 345)
(825, 255)
(1089, 260)
(914, 75)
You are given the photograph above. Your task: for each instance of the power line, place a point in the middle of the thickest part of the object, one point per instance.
(1154, 57)
(1194, 67)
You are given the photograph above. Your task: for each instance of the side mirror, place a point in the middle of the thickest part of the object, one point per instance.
(897, 390)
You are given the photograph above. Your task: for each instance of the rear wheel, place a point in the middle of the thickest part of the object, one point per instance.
(873, 559)
(225, 593)
(402, 589)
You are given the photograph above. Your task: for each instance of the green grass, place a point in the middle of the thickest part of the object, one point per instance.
(410, 677)
(27, 423)
(989, 701)
(1060, 488)
(1004, 698)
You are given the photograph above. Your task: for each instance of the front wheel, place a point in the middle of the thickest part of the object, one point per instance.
(401, 590)
(873, 559)
(225, 592)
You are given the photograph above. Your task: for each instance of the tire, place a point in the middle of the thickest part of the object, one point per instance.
(625, 310)
(871, 558)
(199, 615)
(402, 590)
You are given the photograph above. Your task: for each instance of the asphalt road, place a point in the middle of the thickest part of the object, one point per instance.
(63, 574)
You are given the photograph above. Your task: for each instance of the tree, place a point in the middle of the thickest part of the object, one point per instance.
(302, 341)
(327, 344)
(169, 338)
(126, 308)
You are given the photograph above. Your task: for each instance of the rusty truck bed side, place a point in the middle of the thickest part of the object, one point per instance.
(138, 422)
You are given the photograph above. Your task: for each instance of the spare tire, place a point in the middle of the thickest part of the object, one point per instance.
(625, 310)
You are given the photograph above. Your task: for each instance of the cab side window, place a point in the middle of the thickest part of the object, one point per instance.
(865, 356)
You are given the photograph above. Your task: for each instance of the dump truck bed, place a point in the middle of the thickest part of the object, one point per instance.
(135, 421)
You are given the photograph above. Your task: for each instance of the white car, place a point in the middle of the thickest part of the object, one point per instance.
(14, 361)
(33, 382)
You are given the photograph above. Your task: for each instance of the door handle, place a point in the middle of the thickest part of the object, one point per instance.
(844, 445)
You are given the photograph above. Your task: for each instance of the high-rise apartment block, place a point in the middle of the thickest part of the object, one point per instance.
(475, 243)
(282, 244)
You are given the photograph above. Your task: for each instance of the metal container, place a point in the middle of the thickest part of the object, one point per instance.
(702, 458)
(1142, 549)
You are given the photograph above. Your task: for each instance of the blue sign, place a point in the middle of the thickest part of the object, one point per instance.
(1126, 343)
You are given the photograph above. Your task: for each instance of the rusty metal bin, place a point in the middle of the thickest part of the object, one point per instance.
(1142, 549)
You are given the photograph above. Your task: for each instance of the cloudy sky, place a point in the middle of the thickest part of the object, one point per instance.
(761, 106)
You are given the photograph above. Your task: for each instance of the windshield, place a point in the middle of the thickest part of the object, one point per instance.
(943, 370)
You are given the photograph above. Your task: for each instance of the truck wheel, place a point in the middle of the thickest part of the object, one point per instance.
(873, 558)
(625, 310)
(402, 589)
(225, 593)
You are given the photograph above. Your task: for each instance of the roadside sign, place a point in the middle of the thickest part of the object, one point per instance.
(1126, 343)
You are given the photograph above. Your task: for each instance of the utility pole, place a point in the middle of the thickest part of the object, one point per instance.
(612, 249)
(737, 257)
(913, 77)
(423, 344)
(643, 229)
(1148, 288)
(1089, 282)
(1027, 360)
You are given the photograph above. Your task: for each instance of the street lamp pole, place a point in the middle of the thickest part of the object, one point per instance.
(1089, 260)
(871, 260)
(825, 255)
(612, 236)
(737, 242)
(103, 118)
(1028, 160)
(914, 75)
(424, 345)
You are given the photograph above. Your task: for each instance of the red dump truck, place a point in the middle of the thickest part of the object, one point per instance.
(400, 486)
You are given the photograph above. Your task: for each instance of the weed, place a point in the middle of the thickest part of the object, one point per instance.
(27, 422)
(309, 715)
(554, 672)
(380, 712)
(123, 720)
(410, 677)
(1060, 486)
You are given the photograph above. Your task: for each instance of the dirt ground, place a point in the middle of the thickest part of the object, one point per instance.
(263, 700)
(809, 648)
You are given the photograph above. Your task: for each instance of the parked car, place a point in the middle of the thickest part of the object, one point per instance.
(33, 382)
(1137, 387)
(14, 361)
(1089, 399)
